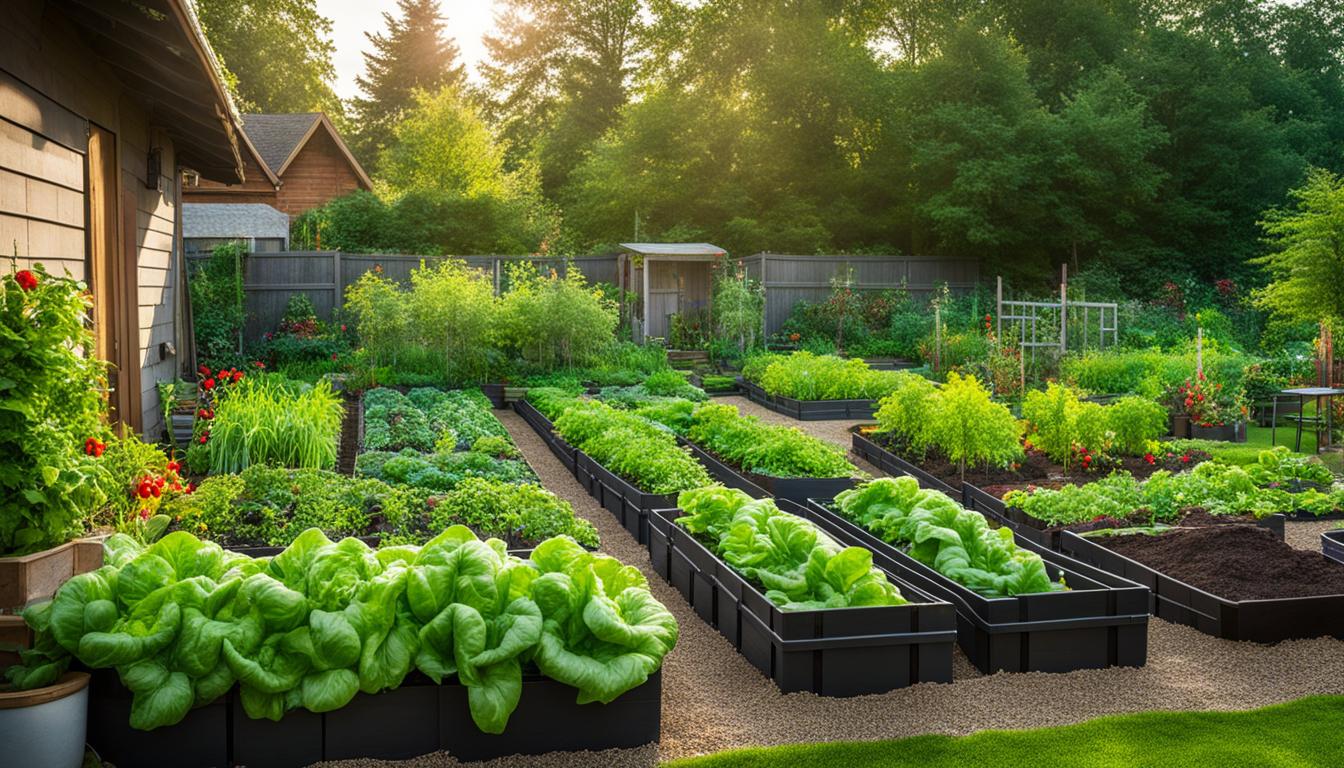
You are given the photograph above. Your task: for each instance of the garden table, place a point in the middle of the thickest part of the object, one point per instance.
(1302, 393)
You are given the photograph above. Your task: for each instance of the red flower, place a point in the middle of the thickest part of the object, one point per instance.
(237, 376)
(209, 384)
(334, 356)
(156, 490)
(342, 327)
(191, 487)
(204, 438)
(258, 363)
(142, 490)
(173, 466)
(1148, 457)
(1200, 397)
(1189, 401)
(26, 280)
(1185, 459)
(203, 370)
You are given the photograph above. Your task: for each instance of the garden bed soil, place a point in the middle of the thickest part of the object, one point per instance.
(1238, 562)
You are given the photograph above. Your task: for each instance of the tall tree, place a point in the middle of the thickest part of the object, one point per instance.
(412, 54)
(277, 53)
(1307, 262)
(560, 72)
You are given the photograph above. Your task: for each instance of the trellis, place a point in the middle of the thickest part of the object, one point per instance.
(1045, 324)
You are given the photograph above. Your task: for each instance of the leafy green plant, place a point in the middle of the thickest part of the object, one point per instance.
(799, 567)
(498, 446)
(182, 621)
(806, 376)
(631, 447)
(269, 419)
(518, 512)
(970, 428)
(217, 313)
(766, 449)
(556, 321)
(1135, 422)
(940, 533)
(1277, 467)
(439, 471)
(552, 401)
(670, 383)
(51, 405)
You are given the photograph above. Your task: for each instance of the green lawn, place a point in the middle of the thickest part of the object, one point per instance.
(1300, 733)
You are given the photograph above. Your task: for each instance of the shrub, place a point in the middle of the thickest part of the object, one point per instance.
(454, 311)
(738, 309)
(217, 313)
(1134, 422)
(51, 405)
(556, 321)
(908, 412)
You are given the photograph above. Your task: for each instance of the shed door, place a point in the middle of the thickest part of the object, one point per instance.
(664, 296)
(115, 320)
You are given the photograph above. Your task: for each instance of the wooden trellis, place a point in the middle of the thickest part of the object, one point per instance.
(1045, 324)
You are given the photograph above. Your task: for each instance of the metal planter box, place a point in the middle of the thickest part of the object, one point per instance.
(1102, 621)
(1332, 545)
(809, 410)
(796, 489)
(618, 496)
(835, 652)
(1261, 621)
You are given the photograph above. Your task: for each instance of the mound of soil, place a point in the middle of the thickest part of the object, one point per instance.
(1193, 518)
(1236, 562)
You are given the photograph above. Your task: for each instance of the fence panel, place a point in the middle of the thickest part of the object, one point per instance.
(270, 278)
(789, 279)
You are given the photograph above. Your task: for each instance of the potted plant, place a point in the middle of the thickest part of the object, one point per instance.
(1215, 412)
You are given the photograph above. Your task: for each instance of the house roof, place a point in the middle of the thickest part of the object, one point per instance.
(233, 220)
(278, 139)
(157, 50)
(674, 249)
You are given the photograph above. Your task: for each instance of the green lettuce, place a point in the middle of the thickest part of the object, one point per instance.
(799, 566)
(940, 533)
(182, 622)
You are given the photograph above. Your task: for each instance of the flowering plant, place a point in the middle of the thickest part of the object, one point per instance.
(1208, 403)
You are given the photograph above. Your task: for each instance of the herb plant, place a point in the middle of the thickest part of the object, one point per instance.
(765, 449)
(268, 419)
(631, 447)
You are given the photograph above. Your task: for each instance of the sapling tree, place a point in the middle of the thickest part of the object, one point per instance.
(970, 427)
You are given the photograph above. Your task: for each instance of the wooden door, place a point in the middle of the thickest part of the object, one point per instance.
(115, 339)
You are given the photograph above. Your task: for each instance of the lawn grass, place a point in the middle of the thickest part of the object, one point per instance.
(1300, 733)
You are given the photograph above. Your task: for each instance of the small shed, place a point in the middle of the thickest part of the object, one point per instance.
(670, 279)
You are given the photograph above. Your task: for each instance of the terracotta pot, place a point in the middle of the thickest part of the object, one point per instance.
(45, 726)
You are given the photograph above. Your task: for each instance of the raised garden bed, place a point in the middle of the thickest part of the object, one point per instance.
(618, 496)
(1332, 545)
(1100, 621)
(417, 718)
(972, 497)
(697, 380)
(1228, 433)
(809, 410)
(797, 489)
(495, 392)
(352, 434)
(546, 431)
(835, 652)
(1238, 559)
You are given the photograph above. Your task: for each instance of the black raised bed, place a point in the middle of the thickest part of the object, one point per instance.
(417, 718)
(699, 381)
(834, 652)
(976, 498)
(809, 410)
(618, 496)
(495, 392)
(546, 431)
(1332, 545)
(798, 489)
(1101, 621)
(1261, 621)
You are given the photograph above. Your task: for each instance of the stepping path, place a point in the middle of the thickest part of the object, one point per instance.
(713, 699)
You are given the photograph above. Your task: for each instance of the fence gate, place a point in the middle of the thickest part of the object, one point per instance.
(1058, 325)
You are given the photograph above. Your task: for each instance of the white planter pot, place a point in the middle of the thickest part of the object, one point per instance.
(45, 726)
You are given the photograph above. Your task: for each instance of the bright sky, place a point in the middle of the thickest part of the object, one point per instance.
(465, 21)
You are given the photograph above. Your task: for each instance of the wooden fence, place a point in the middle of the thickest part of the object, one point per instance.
(270, 278)
(788, 279)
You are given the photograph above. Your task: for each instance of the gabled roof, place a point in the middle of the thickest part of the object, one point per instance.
(674, 249)
(280, 137)
(157, 50)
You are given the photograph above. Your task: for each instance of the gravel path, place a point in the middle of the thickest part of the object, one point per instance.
(714, 700)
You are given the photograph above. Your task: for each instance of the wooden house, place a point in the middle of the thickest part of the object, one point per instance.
(102, 106)
(301, 163)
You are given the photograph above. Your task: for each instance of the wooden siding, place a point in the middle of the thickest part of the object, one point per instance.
(318, 174)
(51, 88)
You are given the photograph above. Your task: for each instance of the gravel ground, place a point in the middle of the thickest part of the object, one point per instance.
(714, 700)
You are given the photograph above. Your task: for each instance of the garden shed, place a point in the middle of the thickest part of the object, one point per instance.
(670, 279)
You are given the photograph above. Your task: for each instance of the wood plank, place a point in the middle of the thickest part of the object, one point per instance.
(30, 109)
(25, 152)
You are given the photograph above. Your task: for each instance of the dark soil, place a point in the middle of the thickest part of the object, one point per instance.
(1236, 562)
(349, 442)
(1193, 518)
(1036, 469)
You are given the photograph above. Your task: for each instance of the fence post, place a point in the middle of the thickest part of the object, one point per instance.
(1064, 310)
(998, 305)
(337, 284)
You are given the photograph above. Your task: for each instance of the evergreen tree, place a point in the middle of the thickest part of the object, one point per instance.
(413, 54)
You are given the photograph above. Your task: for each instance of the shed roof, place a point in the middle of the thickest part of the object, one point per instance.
(233, 220)
(674, 249)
